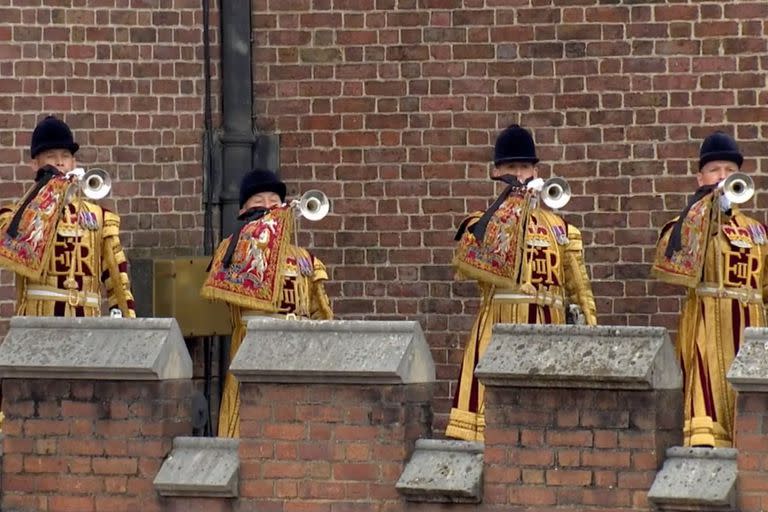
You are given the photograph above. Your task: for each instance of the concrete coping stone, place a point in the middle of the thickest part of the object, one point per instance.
(578, 356)
(696, 479)
(200, 467)
(749, 370)
(443, 471)
(334, 351)
(98, 348)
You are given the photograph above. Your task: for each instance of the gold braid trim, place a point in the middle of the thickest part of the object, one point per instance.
(577, 281)
(118, 283)
(321, 305)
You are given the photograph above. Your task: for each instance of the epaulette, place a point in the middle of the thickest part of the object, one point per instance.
(111, 223)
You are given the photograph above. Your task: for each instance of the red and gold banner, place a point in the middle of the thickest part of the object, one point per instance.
(684, 267)
(254, 279)
(28, 252)
(496, 259)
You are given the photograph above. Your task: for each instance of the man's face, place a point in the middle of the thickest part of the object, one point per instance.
(261, 200)
(61, 159)
(714, 172)
(521, 170)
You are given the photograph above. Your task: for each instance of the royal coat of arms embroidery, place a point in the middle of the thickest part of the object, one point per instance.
(496, 259)
(27, 253)
(254, 278)
(684, 267)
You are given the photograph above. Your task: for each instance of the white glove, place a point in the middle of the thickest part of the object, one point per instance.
(76, 173)
(725, 204)
(536, 184)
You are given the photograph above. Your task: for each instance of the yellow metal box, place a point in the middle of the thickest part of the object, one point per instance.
(176, 293)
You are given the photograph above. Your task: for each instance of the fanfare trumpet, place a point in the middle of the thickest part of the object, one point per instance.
(738, 188)
(556, 193)
(312, 205)
(95, 183)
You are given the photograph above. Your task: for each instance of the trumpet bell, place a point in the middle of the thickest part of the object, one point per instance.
(738, 188)
(556, 193)
(96, 184)
(314, 205)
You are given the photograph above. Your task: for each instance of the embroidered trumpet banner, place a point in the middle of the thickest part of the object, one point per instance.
(254, 278)
(496, 259)
(28, 252)
(684, 267)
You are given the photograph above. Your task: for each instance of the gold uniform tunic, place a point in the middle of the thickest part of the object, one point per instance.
(726, 298)
(552, 274)
(87, 249)
(303, 295)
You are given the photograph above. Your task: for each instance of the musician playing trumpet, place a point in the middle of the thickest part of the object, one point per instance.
(60, 246)
(718, 254)
(528, 262)
(260, 271)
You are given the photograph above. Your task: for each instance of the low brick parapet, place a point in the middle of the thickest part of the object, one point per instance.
(90, 437)
(749, 376)
(577, 417)
(330, 412)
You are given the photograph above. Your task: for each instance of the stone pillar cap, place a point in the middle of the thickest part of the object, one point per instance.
(100, 348)
(749, 370)
(334, 351)
(578, 356)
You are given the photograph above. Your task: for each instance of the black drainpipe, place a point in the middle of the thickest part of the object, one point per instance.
(235, 148)
(227, 152)
(237, 137)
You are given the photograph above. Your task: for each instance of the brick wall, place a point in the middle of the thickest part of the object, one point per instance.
(391, 107)
(752, 458)
(593, 449)
(93, 446)
(88, 446)
(323, 447)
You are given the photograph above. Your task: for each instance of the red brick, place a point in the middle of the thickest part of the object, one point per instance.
(120, 504)
(606, 459)
(114, 465)
(284, 469)
(44, 464)
(286, 489)
(365, 472)
(12, 445)
(578, 438)
(141, 486)
(307, 507)
(69, 503)
(321, 491)
(285, 431)
(116, 485)
(536, 496)
(558, 477)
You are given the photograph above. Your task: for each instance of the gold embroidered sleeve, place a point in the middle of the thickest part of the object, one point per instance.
(115, 265)
(320, 305)
(577, 283)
